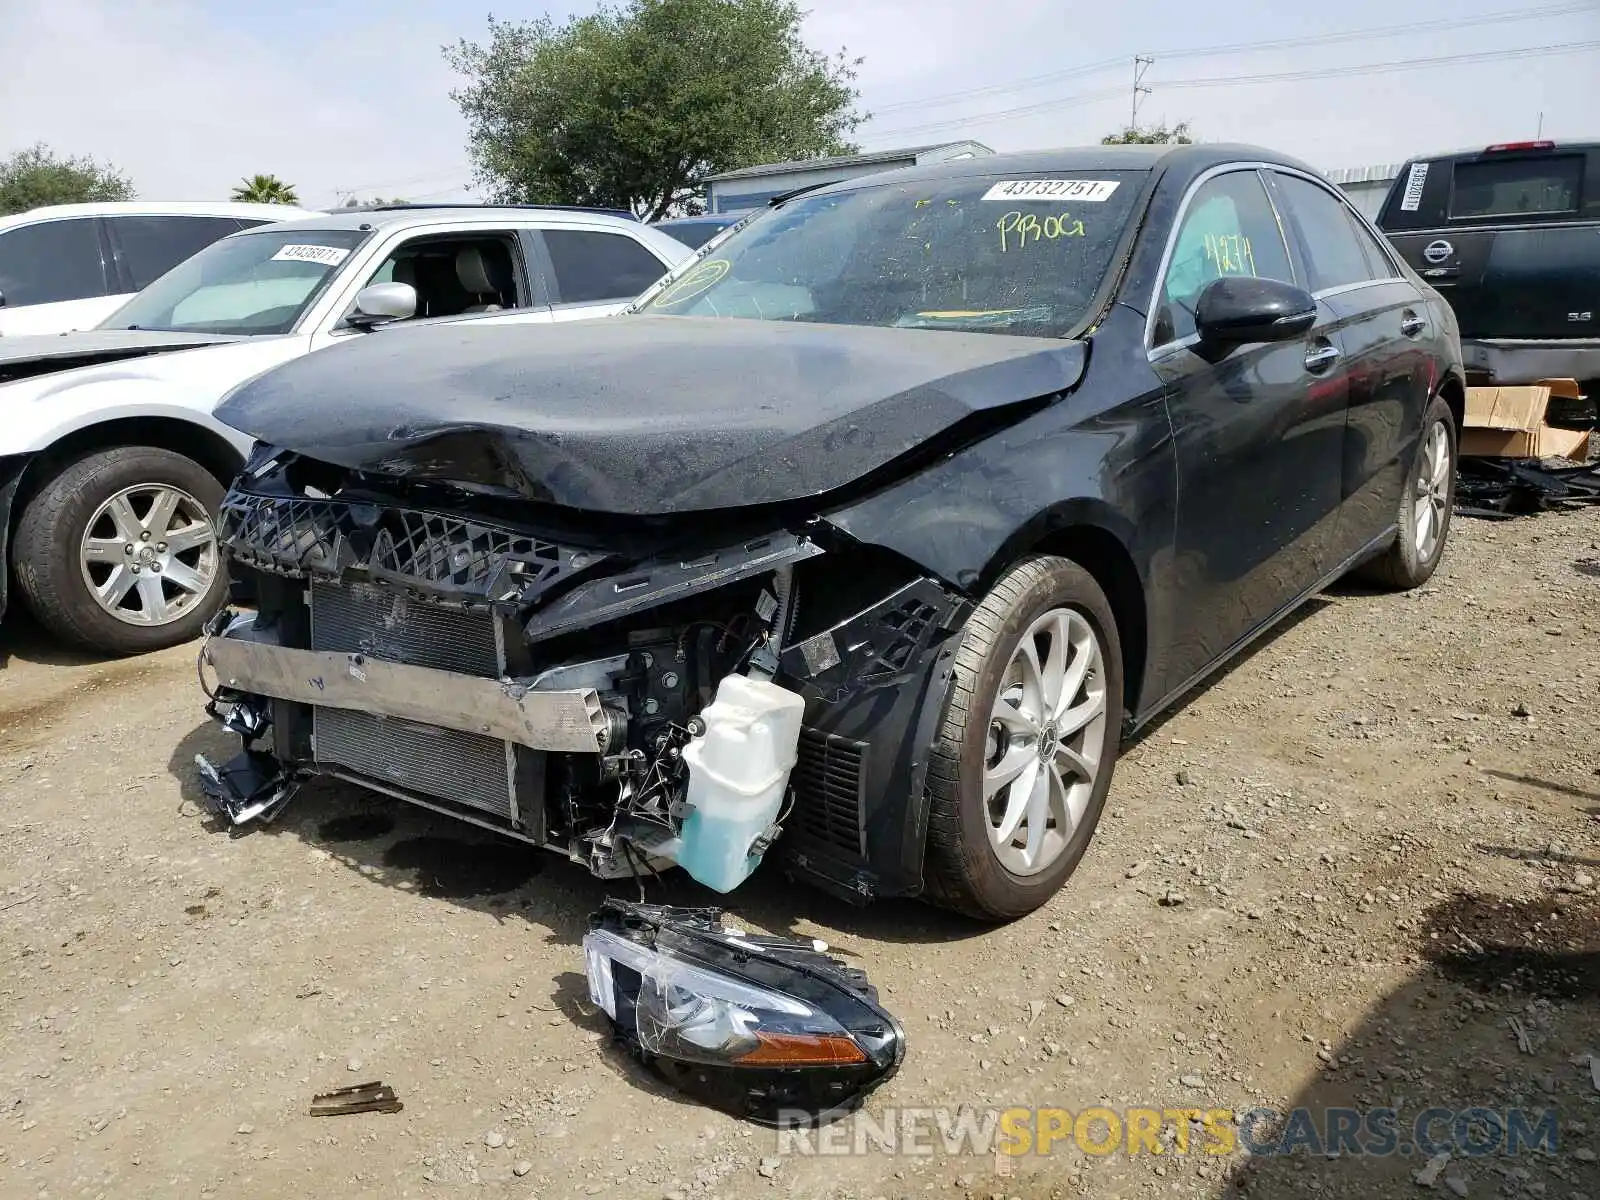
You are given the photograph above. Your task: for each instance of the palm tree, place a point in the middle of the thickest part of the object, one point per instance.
(265, 189)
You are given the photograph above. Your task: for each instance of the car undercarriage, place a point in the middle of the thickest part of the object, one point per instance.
(548, 682)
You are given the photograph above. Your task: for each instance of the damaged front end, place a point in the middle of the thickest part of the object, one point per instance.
(631, 696)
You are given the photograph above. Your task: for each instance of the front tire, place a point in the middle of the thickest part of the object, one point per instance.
(118, 552)
(1426, 506)
(1025, 751)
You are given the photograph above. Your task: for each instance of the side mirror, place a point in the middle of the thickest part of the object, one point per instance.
(380, 303)
(1238, 309)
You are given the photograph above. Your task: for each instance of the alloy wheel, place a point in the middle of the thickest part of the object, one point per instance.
(1046, 733)
(1432, 489)
(149, 554)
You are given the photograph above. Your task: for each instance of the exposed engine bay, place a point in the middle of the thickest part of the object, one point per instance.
(632, 699)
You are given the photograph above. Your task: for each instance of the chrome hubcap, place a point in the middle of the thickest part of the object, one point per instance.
(149, 554)
(1046, 732)
(1432, 490)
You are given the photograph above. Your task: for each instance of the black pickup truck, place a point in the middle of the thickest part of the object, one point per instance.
(1510, 236)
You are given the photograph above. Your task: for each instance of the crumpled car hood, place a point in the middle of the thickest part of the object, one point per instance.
(643, 415)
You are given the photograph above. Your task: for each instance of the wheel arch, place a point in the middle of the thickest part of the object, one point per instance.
(1097, 539)
(1454, 393)
(188, 438)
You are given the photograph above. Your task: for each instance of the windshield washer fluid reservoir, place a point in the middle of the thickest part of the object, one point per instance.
(738, 773)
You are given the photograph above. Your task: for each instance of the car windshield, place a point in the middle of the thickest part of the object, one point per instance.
(249, 283)
(1000, 255)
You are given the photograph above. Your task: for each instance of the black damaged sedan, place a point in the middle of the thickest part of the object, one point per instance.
(860, 542)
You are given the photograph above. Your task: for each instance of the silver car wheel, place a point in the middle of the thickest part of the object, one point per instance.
(149, 554)
(1432, 489)
(1045, 737)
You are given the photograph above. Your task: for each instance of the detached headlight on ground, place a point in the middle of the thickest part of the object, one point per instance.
(768, 1028)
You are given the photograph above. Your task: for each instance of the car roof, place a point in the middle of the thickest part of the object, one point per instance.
(400, 216)
(160, 208)
(1191, 157)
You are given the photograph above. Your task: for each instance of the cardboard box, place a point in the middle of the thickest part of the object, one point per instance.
(1508, 422)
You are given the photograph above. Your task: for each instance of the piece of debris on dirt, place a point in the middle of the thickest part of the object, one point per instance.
(363, 1097)
(1594, 1071)
(1035, 1008)
(1429, 1175)
(1172, 898)
(1523, 1042)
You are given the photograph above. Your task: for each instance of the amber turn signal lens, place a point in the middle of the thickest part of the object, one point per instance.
(801, 1050)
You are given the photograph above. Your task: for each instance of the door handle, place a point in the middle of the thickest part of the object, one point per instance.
(1411, 324)
(1321, 358)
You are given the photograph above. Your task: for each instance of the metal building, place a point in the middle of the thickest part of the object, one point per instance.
(751, 187)
(1366, 186)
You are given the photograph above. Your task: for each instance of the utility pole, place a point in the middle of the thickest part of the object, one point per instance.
(1141, 64)
(1540, 132)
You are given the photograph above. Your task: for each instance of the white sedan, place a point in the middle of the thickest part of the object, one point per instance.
(111, 464)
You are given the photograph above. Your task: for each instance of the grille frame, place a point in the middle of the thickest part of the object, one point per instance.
(449, 559)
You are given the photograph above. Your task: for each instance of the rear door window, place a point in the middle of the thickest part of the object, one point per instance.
(591, 266)
(51, 261)
(152, 245)
(1334, 253)
(1517, 187)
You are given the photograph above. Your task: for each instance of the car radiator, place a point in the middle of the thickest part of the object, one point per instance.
(418, 760)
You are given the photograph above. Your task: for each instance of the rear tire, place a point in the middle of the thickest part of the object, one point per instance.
(975, 864)
(128, 499)
(1425, 506)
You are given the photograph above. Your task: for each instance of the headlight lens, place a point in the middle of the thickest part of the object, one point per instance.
(684, 1011)
(771, 1029)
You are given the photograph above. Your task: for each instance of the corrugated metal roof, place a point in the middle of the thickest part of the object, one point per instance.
(1370, 174)
(906, 154)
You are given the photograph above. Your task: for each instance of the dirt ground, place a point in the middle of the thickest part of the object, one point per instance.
(1333, 878)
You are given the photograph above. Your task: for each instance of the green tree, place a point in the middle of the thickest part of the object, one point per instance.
(633, 107)
(1158, 135)
(38, 176)
(265, 189)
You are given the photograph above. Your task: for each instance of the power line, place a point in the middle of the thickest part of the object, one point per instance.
(938, 100)
(1083, 98)
(1077, 99)
(1438, 60)
(430, 177)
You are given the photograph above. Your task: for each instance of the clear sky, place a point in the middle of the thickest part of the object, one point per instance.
(187, 96)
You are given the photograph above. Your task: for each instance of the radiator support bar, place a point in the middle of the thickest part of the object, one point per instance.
(573, 721)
